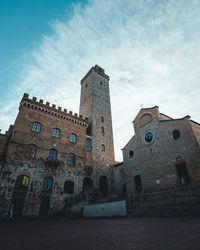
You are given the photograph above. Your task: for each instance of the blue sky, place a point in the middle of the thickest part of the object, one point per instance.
(23, 24)
(150, 50)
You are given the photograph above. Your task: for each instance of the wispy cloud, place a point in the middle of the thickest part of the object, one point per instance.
(150, 49)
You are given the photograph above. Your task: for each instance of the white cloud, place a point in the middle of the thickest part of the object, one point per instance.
(151, 50)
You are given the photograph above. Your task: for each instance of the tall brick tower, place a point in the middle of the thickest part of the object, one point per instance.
(95, 104)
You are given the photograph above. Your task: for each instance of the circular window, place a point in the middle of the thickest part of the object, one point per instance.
(149, 137)
(131, 154)
(176, 134)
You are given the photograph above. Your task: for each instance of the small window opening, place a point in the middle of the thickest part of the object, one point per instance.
(176, 134)
(131, 154)
(88, 143)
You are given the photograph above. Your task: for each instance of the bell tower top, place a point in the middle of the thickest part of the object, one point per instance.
(97, 69)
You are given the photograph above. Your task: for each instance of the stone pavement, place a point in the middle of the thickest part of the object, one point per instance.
(171, 233)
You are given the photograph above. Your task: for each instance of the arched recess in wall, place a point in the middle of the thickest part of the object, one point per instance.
(103, 185)
(145, 119)
(69, 187)
(87, 183)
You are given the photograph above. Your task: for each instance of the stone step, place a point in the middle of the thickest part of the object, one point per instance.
(168, 199)
(176, 203)
(165, 211)
(165, 204)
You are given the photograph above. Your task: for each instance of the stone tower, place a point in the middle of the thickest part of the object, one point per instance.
(95, 104)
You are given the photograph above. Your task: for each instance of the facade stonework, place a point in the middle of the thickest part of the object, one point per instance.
(95, 104)
(163, 153)
(49, 160)
(53, 161)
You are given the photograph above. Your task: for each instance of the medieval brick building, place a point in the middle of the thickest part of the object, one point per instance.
(50, 157)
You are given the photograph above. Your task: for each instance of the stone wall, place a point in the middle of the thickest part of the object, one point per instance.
(156, 161)
(95, 104)
(37, 168)
(92, 164)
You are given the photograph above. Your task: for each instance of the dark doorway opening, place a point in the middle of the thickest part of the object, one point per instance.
(18, 207)
(103, 185)
(87, 183)
(182, 173)
(138, 183)
(124, 190)
(18, 200)
(69, 187)
(44, 206)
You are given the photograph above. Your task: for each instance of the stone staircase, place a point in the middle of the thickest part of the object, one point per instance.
(180, 201)
(73, 208)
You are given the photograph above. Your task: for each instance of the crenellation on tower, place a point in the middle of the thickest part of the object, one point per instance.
(97, 69)
(39, 105)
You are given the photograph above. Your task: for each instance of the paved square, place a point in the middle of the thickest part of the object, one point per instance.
(120, 233)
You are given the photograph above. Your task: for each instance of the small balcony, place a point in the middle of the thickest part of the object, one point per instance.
(51, 163)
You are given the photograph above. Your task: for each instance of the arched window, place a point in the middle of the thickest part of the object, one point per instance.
(30, 151)
(52, 155)
(71, 159)
(22, 181)
(88, 143)
(73, 138)
(69, 187)
(102, 130)
(47, 185)
(56, 133)
(36, 127)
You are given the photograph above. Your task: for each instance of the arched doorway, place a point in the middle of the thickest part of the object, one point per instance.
(103, 185)
(87, 183)
(19, 195)
(69, 187)
(182, 173)
(46, 194)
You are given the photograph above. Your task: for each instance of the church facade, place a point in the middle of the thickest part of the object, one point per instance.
(163, 153)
